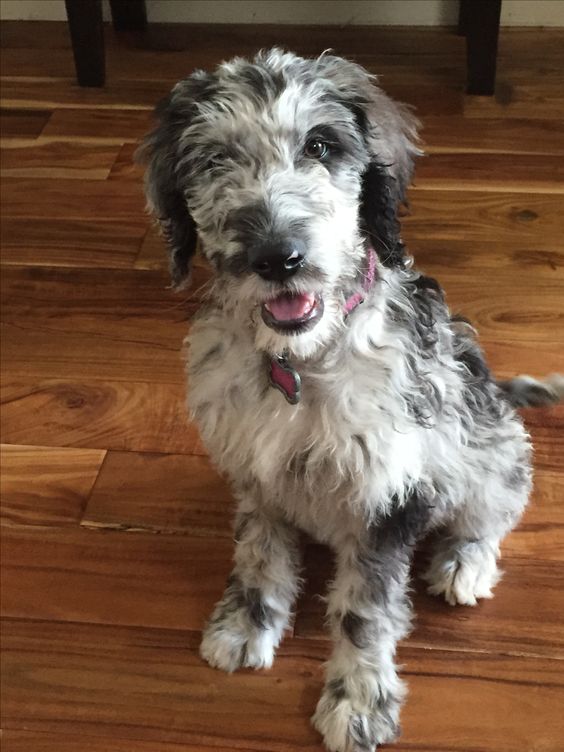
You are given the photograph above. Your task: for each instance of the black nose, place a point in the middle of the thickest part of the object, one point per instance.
(277, 262)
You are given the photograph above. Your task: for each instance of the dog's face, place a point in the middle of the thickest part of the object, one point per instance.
(286, 169)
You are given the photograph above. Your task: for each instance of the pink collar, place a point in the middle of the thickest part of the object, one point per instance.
(358, 297)
(282, 375)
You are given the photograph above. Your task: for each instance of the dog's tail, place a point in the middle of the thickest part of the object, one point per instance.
(524, 391)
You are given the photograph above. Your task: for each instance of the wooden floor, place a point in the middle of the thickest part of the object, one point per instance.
(116, 538)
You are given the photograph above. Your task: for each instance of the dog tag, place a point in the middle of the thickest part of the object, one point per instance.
(285, 378)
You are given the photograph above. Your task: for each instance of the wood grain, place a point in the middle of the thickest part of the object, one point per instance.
(166, 694)
(518, 100)
(15, 740)
(22, 123)
(46, 485)
(50, 94)
(481, 259)
(124, 167)
(84, 243)
(486, 216)
(73, 199)
(23, 158)
(98, 328)
(515, 173)
(104, 414)
(501, 136)
(114, 126)
(162, 493)
(107, 577)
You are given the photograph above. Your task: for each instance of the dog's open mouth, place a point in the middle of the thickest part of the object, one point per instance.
(292, 313)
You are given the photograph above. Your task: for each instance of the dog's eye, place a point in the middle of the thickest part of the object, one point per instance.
(316, 148)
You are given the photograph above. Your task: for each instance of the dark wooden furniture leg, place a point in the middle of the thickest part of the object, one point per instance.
(479, 21)
(129, 15)
(87, 36)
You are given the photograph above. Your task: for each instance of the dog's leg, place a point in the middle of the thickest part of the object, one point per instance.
(464, 565)
(247, 623)
(369, 612)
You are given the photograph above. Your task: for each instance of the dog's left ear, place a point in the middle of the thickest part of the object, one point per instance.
(389, 132)
(162, 152)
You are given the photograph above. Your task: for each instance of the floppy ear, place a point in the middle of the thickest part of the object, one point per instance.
(162, 152)
(389, 132)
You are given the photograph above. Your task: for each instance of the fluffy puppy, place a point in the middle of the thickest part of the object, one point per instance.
(365, 425)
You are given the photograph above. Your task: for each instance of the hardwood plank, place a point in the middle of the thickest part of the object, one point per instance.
(427, 99)
(183, 494)
(73, 200)
(522, 173)
(56, 159)
(548, 440)
(22, 123)
(541, 532)
(51, 94)
(474, 259)
(124, 167)
(46, 485)
(152, 255)
(136, 63)
(496, 308)
(47, 35)
(524, 617)
(160, 493)
(65, 242)
(456, 134)
(486, 217)
(506, 359)
(143, 95)
(61, 678)
(125, 326)
(141, 579)
(518, 100)
(189, 703)
(516, 43)
(115, 126)
(16, 740)
(244, 39)
(105, 414)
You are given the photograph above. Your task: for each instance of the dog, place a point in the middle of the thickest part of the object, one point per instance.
(328, 378)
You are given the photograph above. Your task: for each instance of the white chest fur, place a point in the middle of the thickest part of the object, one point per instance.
(345, 448)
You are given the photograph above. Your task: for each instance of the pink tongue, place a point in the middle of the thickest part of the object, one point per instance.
(287, 308)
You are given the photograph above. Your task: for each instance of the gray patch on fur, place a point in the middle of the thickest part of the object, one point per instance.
(354, 627)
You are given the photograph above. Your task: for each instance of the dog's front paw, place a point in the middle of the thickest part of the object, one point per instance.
(349, 726)
(232, 644)
(464, 576)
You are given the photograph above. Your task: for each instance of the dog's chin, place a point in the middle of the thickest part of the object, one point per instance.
(299, 336)
(293, 313)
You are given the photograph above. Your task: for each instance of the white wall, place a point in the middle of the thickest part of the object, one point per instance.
(376, 12)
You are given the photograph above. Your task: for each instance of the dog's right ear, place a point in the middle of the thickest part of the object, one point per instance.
(162, 153)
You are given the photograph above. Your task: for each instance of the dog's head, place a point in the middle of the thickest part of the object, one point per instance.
(288, 170)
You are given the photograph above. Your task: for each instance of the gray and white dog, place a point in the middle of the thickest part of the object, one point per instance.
(367, 426)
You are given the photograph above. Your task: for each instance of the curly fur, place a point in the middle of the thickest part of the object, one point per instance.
(401, 429)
